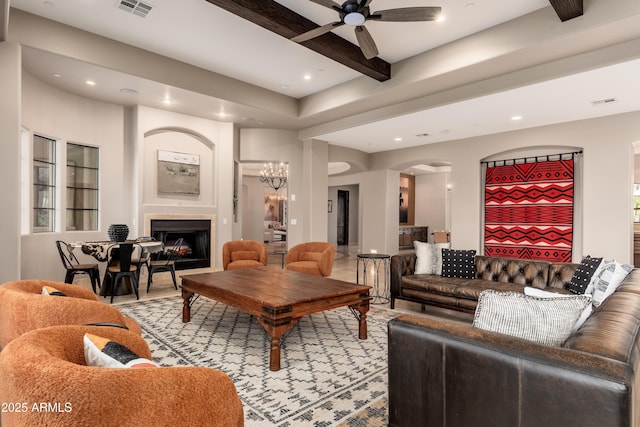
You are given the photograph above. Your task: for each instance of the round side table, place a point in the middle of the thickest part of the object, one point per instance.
(378, 296)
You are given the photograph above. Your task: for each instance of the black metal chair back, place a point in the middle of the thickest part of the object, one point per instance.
(73, 266)
(120, 266)
(166, 262)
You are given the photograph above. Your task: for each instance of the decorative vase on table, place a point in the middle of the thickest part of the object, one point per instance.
(118, 232)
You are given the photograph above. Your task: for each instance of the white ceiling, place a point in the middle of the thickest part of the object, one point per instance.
(200, 34)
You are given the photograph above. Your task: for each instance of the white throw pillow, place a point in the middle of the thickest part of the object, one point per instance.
(539, 293)
(611, 276)
(429, 257)
(547, 321)
(425, 261)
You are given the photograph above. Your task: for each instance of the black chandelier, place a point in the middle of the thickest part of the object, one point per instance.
(275, 176)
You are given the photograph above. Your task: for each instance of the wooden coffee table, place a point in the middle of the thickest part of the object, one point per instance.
(277, 298)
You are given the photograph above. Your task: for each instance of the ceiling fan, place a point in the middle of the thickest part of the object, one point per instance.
(355, 13)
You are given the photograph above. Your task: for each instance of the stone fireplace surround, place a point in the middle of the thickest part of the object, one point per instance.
(211, 218)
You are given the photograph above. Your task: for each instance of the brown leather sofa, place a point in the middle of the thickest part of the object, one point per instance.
(500, 274)
(448, 373)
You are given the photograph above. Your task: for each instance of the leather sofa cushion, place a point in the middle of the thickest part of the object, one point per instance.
(472, 289)
(612, 332)
(433, 283)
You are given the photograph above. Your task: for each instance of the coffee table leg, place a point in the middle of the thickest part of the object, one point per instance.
(186, 305)
(274, 355)
(362, 327)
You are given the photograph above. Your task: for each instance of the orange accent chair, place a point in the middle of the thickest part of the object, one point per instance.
(24, 308)
(48, 366)
(242, 254)
(312, 258)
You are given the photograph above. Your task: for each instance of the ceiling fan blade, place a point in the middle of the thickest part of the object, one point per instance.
(363, 5)
(366, 43)
(328, 3)
(407, 14)
(316, 32)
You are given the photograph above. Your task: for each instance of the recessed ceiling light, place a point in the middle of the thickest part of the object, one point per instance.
(284, 85)
(470, 5)
(397, 139)
(166, 101)
(57, 75)
(515, 118)
(307, 77)
(441, 18)
(90, 83)
(128, 91)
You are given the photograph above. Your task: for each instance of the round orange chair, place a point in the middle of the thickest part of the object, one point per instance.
(242, 254)
(24, 308)
(312, 258)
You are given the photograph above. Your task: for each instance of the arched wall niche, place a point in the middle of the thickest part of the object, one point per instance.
(179, 140)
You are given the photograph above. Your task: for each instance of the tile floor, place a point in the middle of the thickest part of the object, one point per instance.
(344, 268)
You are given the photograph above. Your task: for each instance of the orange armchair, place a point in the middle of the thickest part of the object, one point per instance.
(241, 254)
(312, 258)
(48, 365)
(24, 308)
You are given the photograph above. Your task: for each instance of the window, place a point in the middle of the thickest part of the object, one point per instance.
(82, 187)
(44, 184)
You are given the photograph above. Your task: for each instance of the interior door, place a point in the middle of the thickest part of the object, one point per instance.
(343, 217)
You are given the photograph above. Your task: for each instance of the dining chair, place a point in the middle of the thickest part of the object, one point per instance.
(143, 260)
(120, 266)
(166, 262)
(73, 266)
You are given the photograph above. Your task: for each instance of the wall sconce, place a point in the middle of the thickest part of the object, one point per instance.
(449, 187)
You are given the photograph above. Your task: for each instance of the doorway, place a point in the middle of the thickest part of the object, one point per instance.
(343, 218)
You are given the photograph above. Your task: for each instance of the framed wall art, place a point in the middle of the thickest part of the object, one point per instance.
(178, 173)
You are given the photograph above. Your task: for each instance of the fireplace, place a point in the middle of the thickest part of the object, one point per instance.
(195, 251)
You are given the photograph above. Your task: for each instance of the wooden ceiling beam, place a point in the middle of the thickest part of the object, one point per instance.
(4, 20)
(567, 9)
(285, 22)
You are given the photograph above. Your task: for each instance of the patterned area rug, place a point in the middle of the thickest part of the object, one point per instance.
(328, 377)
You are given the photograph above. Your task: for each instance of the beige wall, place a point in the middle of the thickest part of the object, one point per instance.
(10, 131)
(607, 177)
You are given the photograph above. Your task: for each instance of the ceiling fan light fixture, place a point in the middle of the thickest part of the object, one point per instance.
(354, 18)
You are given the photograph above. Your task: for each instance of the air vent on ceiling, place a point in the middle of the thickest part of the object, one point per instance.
(603, 101)
(136, 7)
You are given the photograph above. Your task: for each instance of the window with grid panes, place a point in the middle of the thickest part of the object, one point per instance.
(44, 184)
(82, 187)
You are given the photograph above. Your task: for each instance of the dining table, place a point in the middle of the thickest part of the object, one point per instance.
(100, 251)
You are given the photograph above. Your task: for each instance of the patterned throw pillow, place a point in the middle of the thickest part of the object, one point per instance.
(611, 276)
(458, 263)
(103, 352)
(547, 321)
(581, 279)
(48, 290)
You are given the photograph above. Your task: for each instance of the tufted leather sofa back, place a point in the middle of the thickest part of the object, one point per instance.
(539, 274)
(513, 270)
